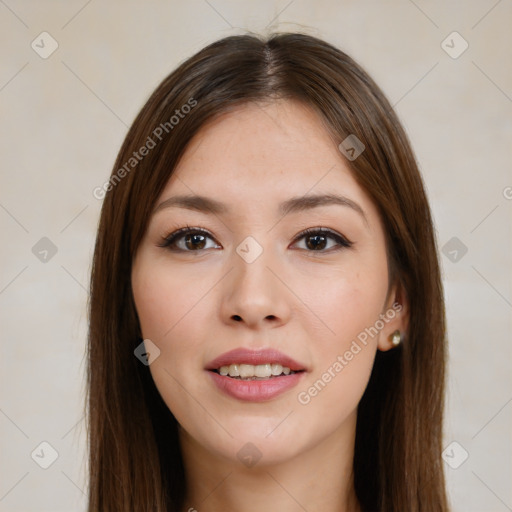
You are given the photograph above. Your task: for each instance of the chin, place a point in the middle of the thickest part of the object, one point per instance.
(251, 445)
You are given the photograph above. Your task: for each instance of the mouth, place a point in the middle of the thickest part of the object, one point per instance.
(255, 376)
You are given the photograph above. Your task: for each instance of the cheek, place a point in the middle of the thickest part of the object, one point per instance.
(346, 342)
(169, 305)
(172, 308)
(352, 305)
(344, 301)
(167, 302)
(344, 355)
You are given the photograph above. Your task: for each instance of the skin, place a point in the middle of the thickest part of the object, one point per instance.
(310, 304)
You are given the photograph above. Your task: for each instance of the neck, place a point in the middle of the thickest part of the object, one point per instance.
(319, 479)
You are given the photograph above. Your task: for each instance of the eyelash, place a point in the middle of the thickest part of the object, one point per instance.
(168, 242)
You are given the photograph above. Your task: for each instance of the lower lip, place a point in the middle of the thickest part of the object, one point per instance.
(256, 390)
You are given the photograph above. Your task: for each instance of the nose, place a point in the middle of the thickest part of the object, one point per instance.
(254, 294)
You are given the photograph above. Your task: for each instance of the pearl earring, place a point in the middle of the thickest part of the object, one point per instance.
(395, 338)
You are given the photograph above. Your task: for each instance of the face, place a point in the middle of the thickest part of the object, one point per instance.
(267, 270)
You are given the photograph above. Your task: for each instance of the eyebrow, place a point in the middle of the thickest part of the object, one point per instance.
(295, 204)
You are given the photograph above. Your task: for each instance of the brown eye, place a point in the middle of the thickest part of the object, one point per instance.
(193, 242)
(188, 240)
(317, 240)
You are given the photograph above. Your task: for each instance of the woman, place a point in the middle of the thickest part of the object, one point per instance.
(267, 322)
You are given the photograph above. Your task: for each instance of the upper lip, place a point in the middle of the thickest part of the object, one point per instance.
(255, 357)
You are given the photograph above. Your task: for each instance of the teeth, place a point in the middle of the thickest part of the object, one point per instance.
(251, 372)
(262, 370)
(246, 370)
(234, 370)
(277, 369)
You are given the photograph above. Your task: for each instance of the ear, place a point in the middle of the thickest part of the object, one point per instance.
(395, 317)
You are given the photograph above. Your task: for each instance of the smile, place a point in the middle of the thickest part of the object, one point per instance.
(255, 375)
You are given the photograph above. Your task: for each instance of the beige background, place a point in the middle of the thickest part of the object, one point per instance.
(64, 117)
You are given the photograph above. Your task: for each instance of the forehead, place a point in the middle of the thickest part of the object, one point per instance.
(263, 154)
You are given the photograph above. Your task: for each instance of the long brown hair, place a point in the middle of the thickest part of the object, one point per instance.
(135, 461)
